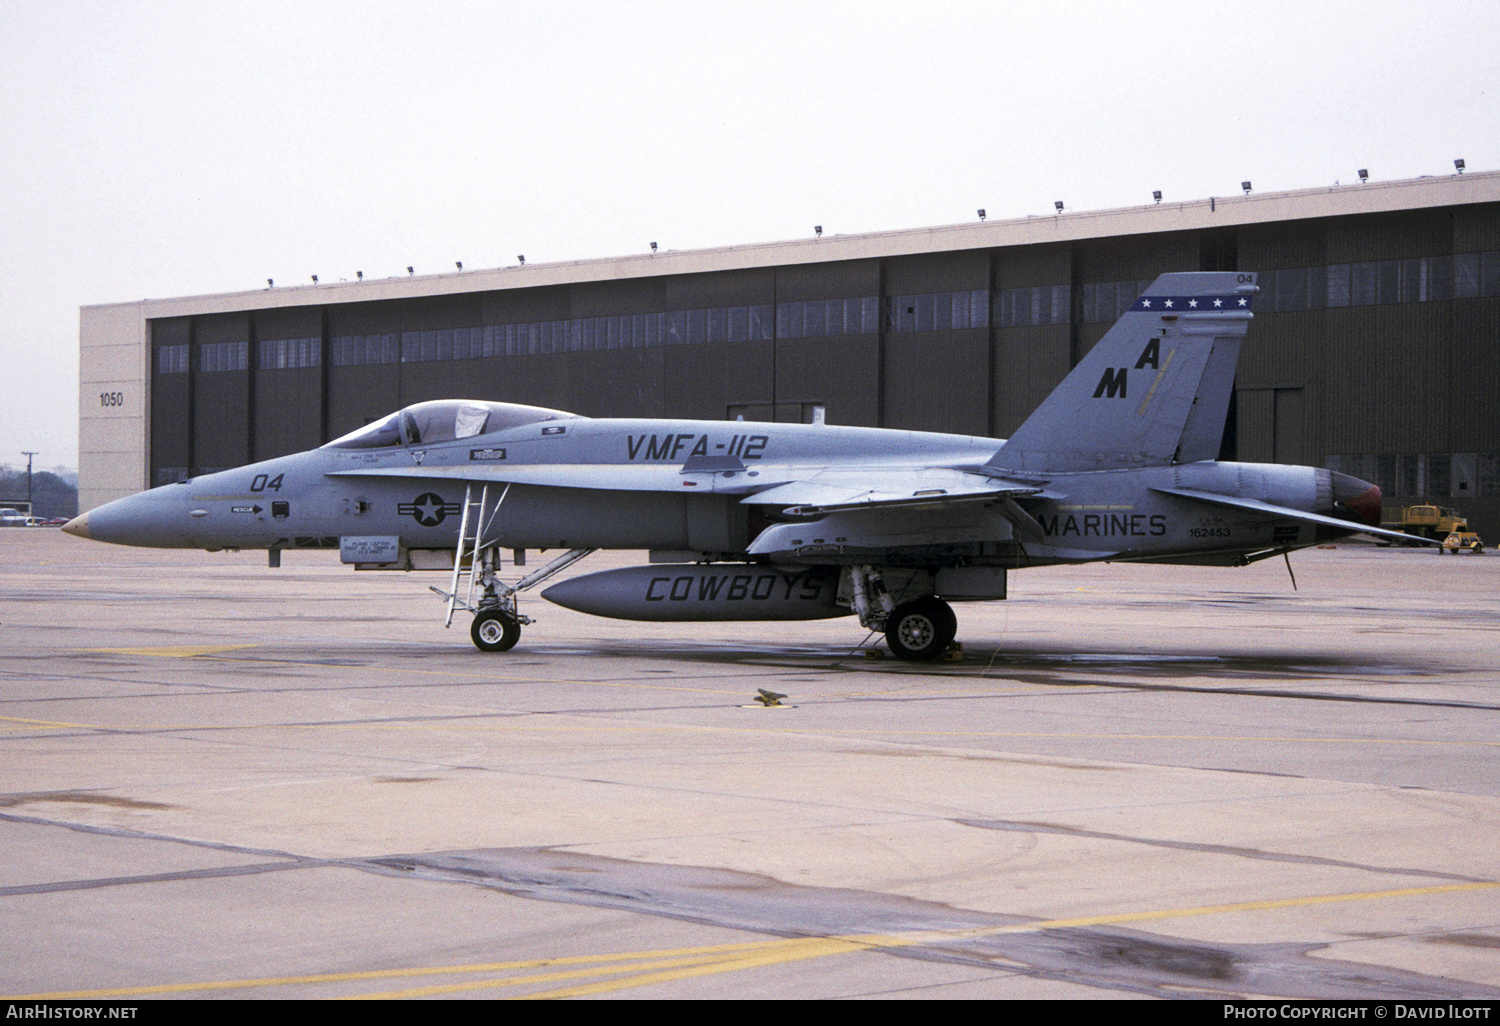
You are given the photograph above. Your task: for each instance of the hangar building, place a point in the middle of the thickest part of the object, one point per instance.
(1375, 349)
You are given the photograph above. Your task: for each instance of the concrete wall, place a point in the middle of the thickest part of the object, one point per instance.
(114, 403)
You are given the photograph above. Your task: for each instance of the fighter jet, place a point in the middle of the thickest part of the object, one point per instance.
(762, 521)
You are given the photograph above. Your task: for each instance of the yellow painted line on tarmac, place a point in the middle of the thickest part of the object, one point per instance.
(795, 950)
(218, 651)
(818, 947)
(24, 724)
(711, 962)
(171, 651)
(1264, 905)
(648, 967)
(715, 950)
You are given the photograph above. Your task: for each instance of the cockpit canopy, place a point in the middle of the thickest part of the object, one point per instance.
(443, 420)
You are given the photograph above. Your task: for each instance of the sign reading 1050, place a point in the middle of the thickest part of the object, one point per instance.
(111, 398)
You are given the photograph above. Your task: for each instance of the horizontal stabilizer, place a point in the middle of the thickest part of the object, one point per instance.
(1285, 512)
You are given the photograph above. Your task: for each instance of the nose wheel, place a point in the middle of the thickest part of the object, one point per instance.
(497, 623)
(921, 630)
(495, 631)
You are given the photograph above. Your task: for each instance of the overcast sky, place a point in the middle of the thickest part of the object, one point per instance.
(169, 149)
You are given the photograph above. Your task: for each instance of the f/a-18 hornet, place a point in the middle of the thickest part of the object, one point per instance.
(753, 521)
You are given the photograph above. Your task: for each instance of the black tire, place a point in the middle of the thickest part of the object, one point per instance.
(494, 631)
(921, 630)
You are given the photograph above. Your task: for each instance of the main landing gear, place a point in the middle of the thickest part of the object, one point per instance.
(918, 631)
(921, 630)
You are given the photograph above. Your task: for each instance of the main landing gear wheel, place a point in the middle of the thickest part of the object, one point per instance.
(495, 631)
(921, 630)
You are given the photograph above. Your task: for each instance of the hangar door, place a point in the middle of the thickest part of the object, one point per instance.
(1272, 425)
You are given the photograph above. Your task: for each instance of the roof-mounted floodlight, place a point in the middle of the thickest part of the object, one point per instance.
(270, 283)
(1364, 176)
(315, 279)
(1246, 187)
(409, 269)
(653, 247)
(818, 230)
(522, 258)
(360, 275)
(981, 213)
(459, 264)
(1058, 204)
(1156, 195)
(1459, 163)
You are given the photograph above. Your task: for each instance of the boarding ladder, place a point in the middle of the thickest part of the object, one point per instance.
(482, 557)
(482, 552)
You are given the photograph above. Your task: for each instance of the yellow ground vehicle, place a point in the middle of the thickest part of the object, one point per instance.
(1457, 541)
(1426, 521)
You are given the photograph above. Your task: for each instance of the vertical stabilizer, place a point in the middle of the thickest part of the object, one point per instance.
(1154, 391)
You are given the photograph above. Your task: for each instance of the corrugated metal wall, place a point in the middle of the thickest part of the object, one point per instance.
(1316, 383)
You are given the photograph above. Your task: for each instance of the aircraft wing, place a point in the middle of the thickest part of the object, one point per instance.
(834, 491)
(1257, 506)
(884, 509)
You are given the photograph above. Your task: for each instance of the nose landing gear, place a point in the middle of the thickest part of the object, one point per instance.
(497, 623)
(495, 630)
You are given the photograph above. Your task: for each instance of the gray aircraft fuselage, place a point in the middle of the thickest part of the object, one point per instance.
(794, 521)
(312, 499)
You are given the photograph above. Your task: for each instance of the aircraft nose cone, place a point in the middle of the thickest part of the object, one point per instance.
(156, 518)
(1360, 498)
(78, 526)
